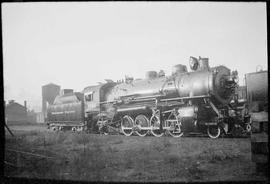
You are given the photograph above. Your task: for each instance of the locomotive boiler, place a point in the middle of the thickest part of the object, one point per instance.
(186, 101)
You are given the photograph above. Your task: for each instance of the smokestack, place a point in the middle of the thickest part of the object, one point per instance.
(25, 104)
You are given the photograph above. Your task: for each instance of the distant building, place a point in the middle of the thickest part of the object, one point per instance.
(16, 112)
(40, 117)
(31, 116)
(49, 92)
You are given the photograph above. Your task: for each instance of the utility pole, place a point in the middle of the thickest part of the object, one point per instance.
(8, 128)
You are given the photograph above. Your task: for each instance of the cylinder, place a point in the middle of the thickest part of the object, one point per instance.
(189, 111)
(151, 75)
(178, 69)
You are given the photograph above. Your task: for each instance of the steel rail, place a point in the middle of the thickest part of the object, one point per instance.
(8, 163)
(28, 153)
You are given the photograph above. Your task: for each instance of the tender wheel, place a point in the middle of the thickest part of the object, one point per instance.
(127, 125)
(73, 129)
(141, 121)
(174, 126)
(213, 131)
(155, 124)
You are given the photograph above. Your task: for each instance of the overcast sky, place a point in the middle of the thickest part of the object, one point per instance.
(76, 45)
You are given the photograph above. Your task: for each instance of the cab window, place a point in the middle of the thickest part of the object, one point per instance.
(89, 97)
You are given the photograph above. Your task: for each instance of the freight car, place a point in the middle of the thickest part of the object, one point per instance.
(257, 98)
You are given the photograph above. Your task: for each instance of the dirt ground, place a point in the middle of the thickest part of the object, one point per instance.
(93, 157)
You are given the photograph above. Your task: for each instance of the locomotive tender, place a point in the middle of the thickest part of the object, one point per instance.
(194, 101)
(67, 112)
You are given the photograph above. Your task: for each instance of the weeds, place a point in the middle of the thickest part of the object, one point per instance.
(128, 160)
(51, 138)
(112, 150)
(172, 159)
(166, 143)
(80, 138)
(214, 155)
(158, 147)
(194, 171)
(118, 141)
(118, 158)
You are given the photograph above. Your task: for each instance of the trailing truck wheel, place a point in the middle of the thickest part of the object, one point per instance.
(155, 124)
(213, 131)
(127, 125)
(54, 128)
(175, 126)
(248, 128)
(141, 121)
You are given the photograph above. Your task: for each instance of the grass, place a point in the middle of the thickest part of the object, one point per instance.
(93, 157)
(17, 123)
(215, 155)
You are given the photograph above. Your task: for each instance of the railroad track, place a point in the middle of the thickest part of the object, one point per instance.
(31, 154)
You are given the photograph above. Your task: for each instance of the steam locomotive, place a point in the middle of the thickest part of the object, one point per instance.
(196, 101)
